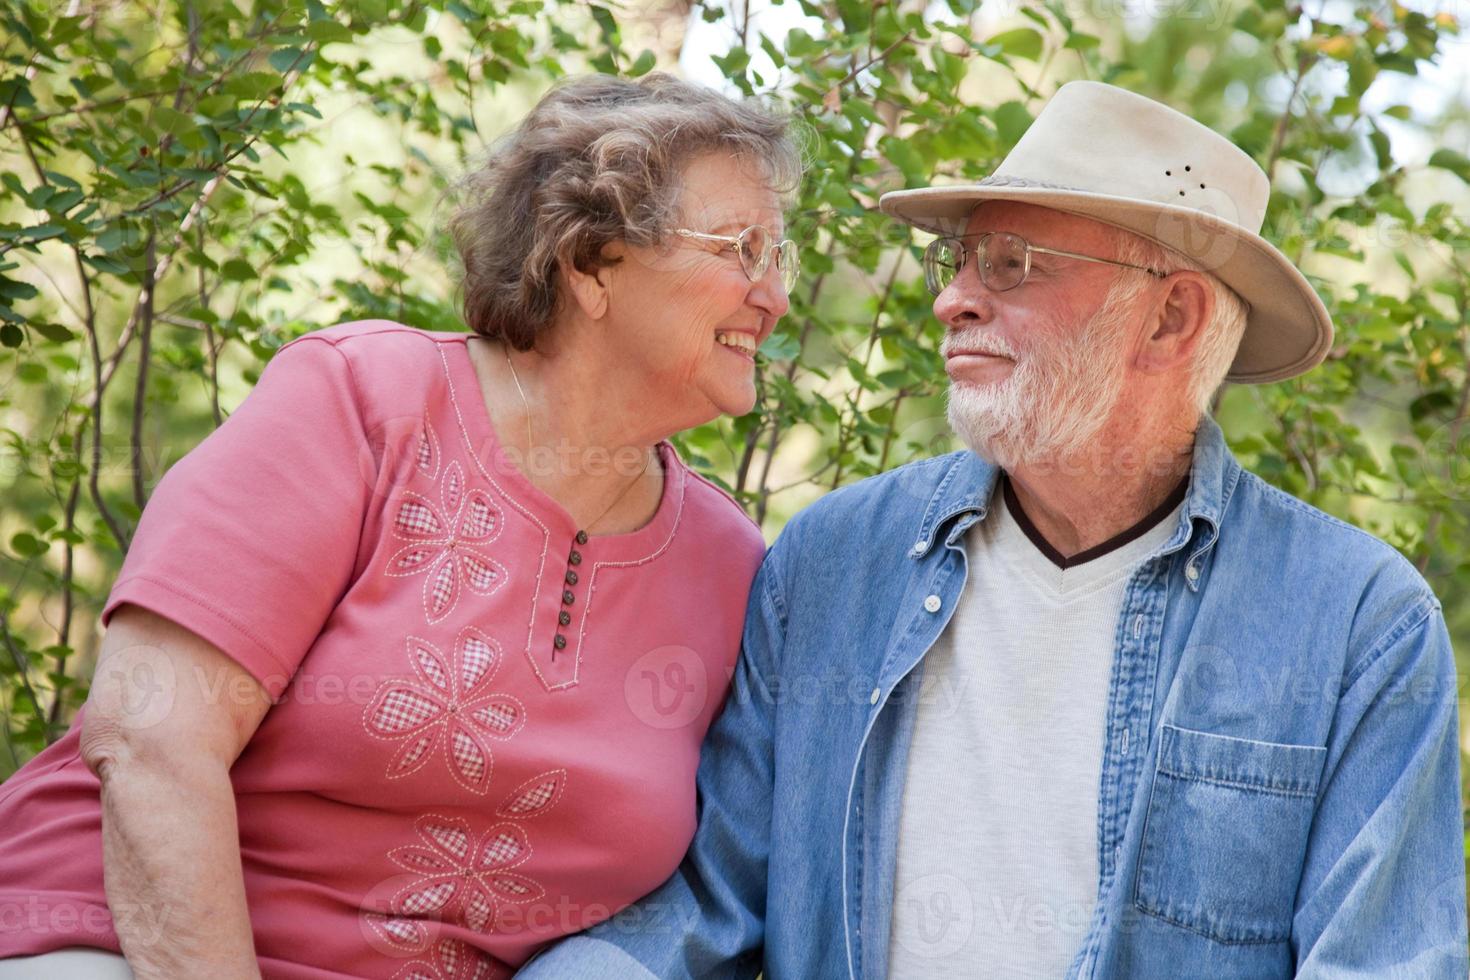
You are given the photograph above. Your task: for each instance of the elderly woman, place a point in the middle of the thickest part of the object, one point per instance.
(408, 666)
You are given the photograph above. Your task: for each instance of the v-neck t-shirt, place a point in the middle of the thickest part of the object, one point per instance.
(996, 873)
(486, 733)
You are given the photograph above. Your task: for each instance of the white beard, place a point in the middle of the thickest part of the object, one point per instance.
(1056, 398)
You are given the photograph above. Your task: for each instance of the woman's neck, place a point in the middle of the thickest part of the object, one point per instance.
(585, 445)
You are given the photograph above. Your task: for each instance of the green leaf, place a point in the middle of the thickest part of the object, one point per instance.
(1023, 42)
(1012, 119)
(28, 545)
(252, 85)
(1453, 161)
(643, 65)
(53, 332)
(170, 120)
(328, 31)
(15, 289)
(238, 270)
(283, 59)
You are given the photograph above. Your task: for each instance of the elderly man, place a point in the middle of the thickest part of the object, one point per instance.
(1089, 700)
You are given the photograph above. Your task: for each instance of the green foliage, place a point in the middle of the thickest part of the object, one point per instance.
(187, 186)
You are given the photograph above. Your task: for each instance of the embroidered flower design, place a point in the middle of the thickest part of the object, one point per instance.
(446, 703)
(427, 456)
(464, 877)
(454, 960)
(446, 539)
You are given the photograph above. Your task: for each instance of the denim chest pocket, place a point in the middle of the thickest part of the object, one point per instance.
(1225, 834)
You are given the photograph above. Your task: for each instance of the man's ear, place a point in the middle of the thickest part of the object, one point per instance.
(1177, 322)
(591, 290)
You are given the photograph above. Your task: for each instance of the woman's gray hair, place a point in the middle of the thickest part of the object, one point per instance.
(597, 160)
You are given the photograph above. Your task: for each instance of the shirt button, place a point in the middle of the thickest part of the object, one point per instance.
(560, 642)
(873, 698)
(564, 617)
(1191, 572)
(568, 598)
(919, 547)
(932, 603)
(571, 577)
(1115, 857)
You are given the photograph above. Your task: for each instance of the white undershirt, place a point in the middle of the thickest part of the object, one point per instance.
(997, 870)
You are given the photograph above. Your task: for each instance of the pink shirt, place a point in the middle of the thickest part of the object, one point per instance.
(440, 789)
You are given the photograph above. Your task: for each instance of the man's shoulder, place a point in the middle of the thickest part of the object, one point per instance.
(1319, 555)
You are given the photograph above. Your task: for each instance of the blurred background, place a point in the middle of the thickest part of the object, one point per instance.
(184, 187)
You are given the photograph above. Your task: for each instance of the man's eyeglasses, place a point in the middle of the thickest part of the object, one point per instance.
(1005, 261)
(756, 247)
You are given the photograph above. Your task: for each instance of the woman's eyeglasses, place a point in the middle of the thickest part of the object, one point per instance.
(756, 247)
(1005, 261)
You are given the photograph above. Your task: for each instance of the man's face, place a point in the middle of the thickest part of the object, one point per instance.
(1035, 371)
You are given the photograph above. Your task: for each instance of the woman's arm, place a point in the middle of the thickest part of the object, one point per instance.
(167, 715)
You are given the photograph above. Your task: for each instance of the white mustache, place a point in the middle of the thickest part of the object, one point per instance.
(983, 343)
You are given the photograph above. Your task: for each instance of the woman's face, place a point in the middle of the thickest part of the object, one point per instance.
(686, 316)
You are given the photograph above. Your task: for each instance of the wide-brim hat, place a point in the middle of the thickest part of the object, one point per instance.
(1114, 156)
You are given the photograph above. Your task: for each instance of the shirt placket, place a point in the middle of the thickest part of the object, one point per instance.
(1130, 700)
(875, 795)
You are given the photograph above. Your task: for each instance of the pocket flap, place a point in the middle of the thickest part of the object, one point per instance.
(1275, 767)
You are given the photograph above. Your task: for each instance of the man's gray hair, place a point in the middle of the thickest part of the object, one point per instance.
(1222, 334)
(597, 160)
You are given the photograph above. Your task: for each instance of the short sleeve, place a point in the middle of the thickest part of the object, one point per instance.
(250, 539)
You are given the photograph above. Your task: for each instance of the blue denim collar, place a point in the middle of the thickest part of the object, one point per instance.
(967, 481)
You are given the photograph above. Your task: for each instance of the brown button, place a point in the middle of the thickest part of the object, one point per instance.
(571, 577)
(581, 537)
(564, 617)
(560, 642)
(568, 598)
(576, 558)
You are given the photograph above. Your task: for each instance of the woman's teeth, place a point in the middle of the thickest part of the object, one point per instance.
(740, 341)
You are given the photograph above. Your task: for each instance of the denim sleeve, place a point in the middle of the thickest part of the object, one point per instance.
(708, 919)
(1383, 888)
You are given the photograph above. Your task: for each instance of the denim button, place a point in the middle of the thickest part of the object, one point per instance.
(1125, 741)
(1191, 572)
(932, 603)
(873, 698)
(919, 547)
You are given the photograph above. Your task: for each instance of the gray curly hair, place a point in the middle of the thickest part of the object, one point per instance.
(597, 160)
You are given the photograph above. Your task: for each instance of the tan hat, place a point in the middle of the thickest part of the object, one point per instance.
(1108, 154)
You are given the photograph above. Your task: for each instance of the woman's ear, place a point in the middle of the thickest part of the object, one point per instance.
(592, 289)
(1179, 322)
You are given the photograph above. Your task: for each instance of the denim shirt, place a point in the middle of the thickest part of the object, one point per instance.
(1280, 790)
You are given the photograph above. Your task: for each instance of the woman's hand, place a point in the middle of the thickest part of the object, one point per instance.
(167, 716)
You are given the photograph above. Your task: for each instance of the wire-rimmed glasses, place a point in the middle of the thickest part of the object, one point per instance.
(756, 247)
(1005, 260)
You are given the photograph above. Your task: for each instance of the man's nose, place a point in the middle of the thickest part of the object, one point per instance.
(965, 301)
